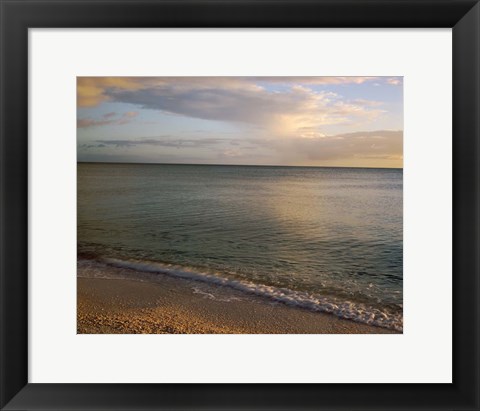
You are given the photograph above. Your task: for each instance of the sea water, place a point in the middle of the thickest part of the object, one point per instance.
(322, 239)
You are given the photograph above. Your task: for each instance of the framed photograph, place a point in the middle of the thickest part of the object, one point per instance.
(240, 205)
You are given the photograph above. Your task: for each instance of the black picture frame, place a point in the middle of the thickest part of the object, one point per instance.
(17, 16)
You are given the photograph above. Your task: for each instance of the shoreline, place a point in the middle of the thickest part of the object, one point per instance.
(122, 303)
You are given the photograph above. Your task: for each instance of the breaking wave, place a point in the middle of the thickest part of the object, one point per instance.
(354, 311)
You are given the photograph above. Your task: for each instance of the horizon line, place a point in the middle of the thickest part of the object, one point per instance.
(230, 165)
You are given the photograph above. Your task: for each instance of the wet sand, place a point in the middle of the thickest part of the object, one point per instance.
(176, 306)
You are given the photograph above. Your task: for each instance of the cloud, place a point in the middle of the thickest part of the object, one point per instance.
(92, 91)
(296, 120)
(312, 80)
(368, 146)
(97, 156)
(382, 144)
(164, 141)
(395, 81)
(88, 122)
(107, 119)
(280, 113)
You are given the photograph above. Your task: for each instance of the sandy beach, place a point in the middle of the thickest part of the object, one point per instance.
(170, 305)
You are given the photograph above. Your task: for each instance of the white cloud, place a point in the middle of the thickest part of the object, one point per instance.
(290, 120)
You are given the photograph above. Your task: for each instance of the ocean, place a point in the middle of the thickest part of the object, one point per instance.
(321, 239)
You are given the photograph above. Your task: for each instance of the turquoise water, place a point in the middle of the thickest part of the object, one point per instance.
(325, 239)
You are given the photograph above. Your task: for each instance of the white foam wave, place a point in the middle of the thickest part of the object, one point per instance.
(354, 311)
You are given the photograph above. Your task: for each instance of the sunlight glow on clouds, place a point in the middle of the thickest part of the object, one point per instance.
(108, 118)
(351, 121)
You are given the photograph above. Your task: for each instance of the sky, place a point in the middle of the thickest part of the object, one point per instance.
(295, 121)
